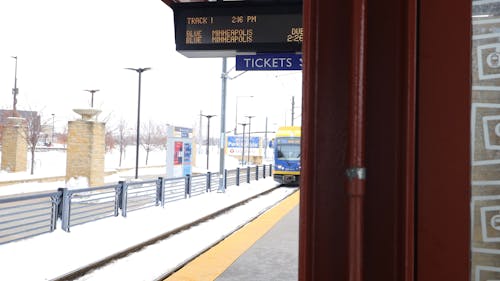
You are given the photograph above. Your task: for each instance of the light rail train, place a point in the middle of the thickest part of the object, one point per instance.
(286, 169)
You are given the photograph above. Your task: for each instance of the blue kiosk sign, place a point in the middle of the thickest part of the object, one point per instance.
(272, 61)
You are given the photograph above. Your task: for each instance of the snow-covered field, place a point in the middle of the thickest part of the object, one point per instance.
(53, 164)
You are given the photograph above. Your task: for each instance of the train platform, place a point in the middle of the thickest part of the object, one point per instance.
(265, 249)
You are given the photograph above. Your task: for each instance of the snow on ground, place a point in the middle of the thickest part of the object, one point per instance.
(53, 164)
(47, 256)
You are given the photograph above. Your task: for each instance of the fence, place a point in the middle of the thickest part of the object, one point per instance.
(23, 216)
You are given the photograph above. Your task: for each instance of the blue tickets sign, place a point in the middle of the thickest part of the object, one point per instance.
(278, 61)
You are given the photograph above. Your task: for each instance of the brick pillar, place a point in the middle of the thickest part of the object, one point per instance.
(14, 146)
(86, 148)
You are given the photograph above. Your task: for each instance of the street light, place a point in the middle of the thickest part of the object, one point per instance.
(92, 99)
(249, 122)
(15, 91)
(140, 71)
(243, 144)
(208, 135)
(52, 137)
(236, 113)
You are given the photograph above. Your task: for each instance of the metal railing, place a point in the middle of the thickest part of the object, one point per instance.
(83, 205)
(28, 215)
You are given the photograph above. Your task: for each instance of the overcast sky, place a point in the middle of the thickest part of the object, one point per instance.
(64, 47)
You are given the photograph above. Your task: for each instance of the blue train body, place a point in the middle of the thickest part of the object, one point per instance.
(286, 169)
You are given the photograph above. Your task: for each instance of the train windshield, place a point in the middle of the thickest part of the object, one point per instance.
(288, 149)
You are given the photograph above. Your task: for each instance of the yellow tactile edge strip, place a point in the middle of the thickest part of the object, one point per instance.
(215, 261)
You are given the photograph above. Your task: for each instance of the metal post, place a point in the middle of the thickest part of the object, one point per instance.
(208, 137)
(208, 142)
(222, 187)
(118, 196)
(199, 138)
(66, 207)
(236, 113)
(265, 141)
(124, 199)
(187, 192)
(225, 179)
(15, 91)
(237, 176)
(138, 129)
(56, 205)
(356, 143)
(140, 71)
(52, 137)
(209, 181)
(159, 192)
(243, 144)
(249, 141)
(92, 97)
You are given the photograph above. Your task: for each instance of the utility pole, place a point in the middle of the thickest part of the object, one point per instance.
(249, 139)
(208, 137)
(236, 113)
(140, 71)
(53, 121)
(15, 91)
(265, 141)
(199, 130)
(222, 126)
(243, 144)
(293, 108)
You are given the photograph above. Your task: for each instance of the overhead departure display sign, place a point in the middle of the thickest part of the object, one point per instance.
(274, 61)
(217, 29)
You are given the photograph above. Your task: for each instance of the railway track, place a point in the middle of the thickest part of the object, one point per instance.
(144, 255)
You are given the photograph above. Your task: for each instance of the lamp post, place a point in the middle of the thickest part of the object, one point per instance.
(265, 141)
(243, 144)
(236, 113)
(15, 91)
(52, 137)
(92, 98)
(208, 136)
(249, 122)
(140, 71)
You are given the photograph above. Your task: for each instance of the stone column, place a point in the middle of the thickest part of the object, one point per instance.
(86, 148)
(14, 145)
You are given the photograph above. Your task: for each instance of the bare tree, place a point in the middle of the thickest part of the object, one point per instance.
(109, 140)
(153, 137)
(122, 139)
(63, 137)
(32, 134)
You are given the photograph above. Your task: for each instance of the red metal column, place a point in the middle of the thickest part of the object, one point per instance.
(379, 244)
(323, 200)
(444, 103)
(356, 170)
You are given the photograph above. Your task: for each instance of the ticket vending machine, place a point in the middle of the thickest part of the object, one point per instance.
(179, 151)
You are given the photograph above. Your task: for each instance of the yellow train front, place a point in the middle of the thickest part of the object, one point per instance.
(286, 167)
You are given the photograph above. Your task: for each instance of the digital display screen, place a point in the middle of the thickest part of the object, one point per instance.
(282, 140)
(212, 29)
